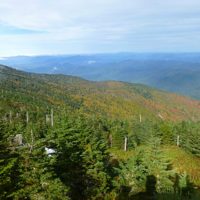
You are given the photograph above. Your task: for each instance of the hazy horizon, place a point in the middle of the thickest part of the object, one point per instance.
(98, 53)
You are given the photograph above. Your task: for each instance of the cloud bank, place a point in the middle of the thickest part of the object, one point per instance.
(92, 26)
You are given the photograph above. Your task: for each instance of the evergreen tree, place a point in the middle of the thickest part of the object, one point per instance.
(37, 179)
(8, 165)
(166, 134)
(82, 162)
(157, 165)
(149, 162)
(193, 140)
(120, 131)
(132, 174)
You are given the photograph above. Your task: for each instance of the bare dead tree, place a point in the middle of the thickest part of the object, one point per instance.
(125, 144)
(10, 117)
(178, 141)
(27, 117)
(140, 118)
(32, 140)
(52, 119)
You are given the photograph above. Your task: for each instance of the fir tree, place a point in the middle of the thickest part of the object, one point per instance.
(8, 165)
(157, 165)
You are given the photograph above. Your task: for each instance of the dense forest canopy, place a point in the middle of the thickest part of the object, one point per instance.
(62, 137)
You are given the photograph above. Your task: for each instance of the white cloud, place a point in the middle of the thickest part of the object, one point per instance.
(91, 62)
(97, 25)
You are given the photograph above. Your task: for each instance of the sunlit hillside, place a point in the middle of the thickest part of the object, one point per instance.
(112, 99)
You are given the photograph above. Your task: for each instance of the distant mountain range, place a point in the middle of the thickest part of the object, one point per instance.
(172, 72)
(113, 99)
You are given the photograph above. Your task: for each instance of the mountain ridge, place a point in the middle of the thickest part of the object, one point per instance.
(111, 98)
(172, 72)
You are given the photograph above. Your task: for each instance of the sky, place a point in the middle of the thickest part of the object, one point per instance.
(41, 27)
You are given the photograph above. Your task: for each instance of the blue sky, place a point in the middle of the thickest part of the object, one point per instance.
(34, 27)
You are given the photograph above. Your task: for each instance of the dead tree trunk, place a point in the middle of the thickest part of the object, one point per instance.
(125, 143)
(52, 120)
(178, 141)
(27, 117)
(32, 140)
(10, 117)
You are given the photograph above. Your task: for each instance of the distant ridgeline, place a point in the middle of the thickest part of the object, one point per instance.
(63, 137)
(172, 72)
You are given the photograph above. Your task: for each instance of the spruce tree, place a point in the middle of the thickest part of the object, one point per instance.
(8, 165)
(157, 165)
(132, 174)
(38, 179)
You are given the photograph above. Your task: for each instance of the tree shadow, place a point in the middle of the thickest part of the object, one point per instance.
(150, 193)
(185, 193)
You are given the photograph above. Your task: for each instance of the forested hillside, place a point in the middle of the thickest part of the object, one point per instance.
(62, 137)
(112, 99)
(172, 72)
